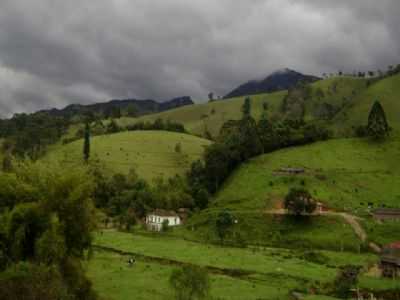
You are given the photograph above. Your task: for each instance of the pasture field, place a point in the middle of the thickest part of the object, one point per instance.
(257, 228)
(151, 153)
(114, 280)
(344, 174)
(387, 91)
(264, 261)
(235, 273)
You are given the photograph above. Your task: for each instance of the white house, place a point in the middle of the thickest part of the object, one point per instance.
(155, 219)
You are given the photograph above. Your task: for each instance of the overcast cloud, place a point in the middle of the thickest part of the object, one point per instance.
(57, 52)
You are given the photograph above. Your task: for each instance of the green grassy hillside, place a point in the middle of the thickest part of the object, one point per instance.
(211, 115)
(348, 99)
(387, 91)
(151, 153)
(259, 273)
(343, 174)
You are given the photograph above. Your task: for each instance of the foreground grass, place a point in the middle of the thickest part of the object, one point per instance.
(114, 280)
(267, 261)
(151, 153)
(266, 273)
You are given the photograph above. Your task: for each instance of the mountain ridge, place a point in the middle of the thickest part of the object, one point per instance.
(142, 106)
(278, 80)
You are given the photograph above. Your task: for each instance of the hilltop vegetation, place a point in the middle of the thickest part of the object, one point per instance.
(340, 102)
(211, 116)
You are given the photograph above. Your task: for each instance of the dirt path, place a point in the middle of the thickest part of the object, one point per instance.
(350, 219)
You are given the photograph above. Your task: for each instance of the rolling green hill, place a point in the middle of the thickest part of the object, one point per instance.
(151, 153)
(343, 103)
(387, 91)
(342, 173)
(211, 115)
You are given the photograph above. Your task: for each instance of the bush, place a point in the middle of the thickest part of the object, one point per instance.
(190, 282)
(299, 201)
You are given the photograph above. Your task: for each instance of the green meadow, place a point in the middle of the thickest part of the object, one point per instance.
(344, 174)
(261, 273)
(151, 153)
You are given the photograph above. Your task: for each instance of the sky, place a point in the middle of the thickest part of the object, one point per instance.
(56, 52)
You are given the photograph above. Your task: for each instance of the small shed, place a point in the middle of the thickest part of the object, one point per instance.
(390, 260)
(158, 217)
(383, 214)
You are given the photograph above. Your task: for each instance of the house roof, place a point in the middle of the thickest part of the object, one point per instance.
(387, 211)
(164, 213)
(394, 245)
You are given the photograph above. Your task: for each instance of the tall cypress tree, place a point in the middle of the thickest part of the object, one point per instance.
(86, 144)
(377, 127)
(246, 108)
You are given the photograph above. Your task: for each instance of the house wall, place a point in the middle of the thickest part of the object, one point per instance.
(155, 222)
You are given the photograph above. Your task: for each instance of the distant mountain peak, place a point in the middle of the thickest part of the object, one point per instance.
(281, 79)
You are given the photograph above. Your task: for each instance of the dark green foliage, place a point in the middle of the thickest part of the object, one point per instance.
(246, 108)
(113, 127)
(158, 124)
(45, 232)
(178, 148)
(223, 224)
(346, 280)
(190, 282)
(86, 143)
(299, 201)
(377, 127)
(132, 110)
(30, 134)
(31, 282)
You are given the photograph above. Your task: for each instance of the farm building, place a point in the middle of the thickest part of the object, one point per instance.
(382, 214)
(158, 217)
(390, 260)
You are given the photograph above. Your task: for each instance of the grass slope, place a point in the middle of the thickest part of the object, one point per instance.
(212, 115)
(387, 91)
(344, 174)
(351, 97)
(272, 273)
(151, 153)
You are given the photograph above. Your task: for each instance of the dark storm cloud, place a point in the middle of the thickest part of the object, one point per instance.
(55, 52)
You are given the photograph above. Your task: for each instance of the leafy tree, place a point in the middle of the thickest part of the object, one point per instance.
(346, 279)
(112, 127)
(86, 143)
(223, 224)
(299, 201)
(189, 283)
(211, 96)
(377, 127)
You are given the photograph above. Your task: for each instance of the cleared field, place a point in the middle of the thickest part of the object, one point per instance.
(271, 272)
(265, 261)
(345, 174)
(150, 153)
(114, 280)
(257, 228)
